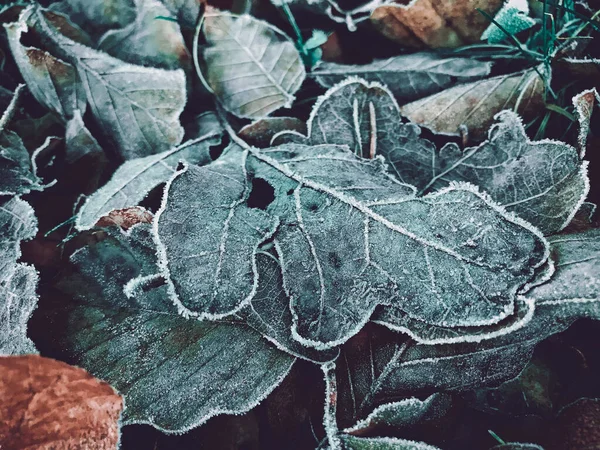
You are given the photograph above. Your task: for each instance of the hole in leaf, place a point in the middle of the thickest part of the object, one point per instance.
(290, 192)
(262, 194)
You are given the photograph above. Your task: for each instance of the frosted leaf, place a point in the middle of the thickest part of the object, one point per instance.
(397, 365)
(351, 237)
(207, 237)
(403, 414)
(513, 17)
(585, 103)
(174, 373)
(137, 177)
(16, 170)
(269, 312)
(396, 319)
(365, 117)
(137, 107)
(409, 77)
(471, 107)
(517, 446)
(383, 443)
(544, 182)
(18, 299)
(149, 40)
(251, 66)
(54, 83)
(17, 223)
(79, 142)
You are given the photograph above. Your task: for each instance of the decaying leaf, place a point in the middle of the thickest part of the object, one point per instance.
(150, 40)
(585, 103)
(53, 82)
(471, 107)
(252, 68)
(137, 107)
(434, 23)
(47, 404)
(174, 373)
(136, 178)
(409, 77)
(261, 132)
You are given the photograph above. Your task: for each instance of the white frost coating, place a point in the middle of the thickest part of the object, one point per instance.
(584, 110)
(384, 443)
(133, 286)
(281, 76)
(409, 77)
(163, 258)
(474, 338)
(10, 109)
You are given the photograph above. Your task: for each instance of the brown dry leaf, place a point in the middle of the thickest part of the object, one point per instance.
(126, 218)
(261, 132)
(471, 107)
(434, 23)
(47, 404)
(578, 425)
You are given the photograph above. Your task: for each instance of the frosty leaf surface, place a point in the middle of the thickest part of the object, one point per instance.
(16, 171)
(149, 40)
(174, 373)
(79, 142)
(404, 413)
(352, 237)
(269, 312)
(54, 83)
(99, 13)
(137, 107)
(18, 299)
(207, 237)
(469, 109)
(399, 364)
(409, 77)
(365, 117)
(251, 66)
(382, 443)
(395, 319)
(544, 182)
(17, 223)
(137, 177)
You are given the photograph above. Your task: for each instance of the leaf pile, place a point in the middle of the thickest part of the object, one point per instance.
(417, 235)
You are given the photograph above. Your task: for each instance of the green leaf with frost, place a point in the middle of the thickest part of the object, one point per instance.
(135, 178)
(252, 68)
(403, 414)
(398, 365)
(269, 312)
(513, 17)
(174, 373)
(98, 13)
(17, 223)
(544, 182)
(137, 107)
(79, 142)
(408, 77)
(334, 274)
